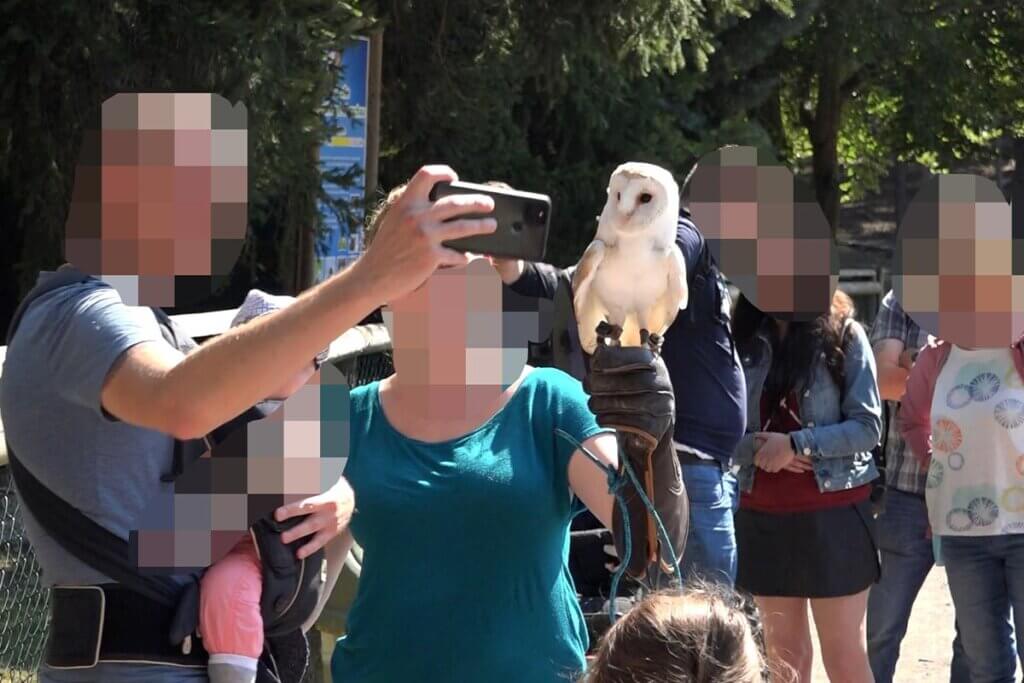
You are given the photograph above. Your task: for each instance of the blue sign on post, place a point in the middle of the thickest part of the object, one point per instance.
(338, 246)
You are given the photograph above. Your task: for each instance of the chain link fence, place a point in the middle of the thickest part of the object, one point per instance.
(24, 602)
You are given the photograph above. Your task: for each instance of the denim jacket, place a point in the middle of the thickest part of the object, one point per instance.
(837, 438)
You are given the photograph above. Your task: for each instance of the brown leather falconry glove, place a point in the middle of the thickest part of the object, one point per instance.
(630, 391)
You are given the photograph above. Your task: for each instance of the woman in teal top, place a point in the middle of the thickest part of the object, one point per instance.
(464, 495)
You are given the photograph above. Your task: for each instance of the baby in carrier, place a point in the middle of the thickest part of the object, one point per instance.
(230, 620)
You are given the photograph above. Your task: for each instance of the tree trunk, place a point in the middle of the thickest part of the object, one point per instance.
(899, 176)
(769, 115)
(824, 129)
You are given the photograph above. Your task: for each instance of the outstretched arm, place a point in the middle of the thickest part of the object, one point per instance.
(152, 385)
(589, 482)
(529, 278)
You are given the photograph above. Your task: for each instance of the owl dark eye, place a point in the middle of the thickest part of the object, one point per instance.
(646, 197)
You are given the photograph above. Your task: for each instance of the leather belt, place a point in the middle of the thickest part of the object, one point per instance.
(688, 458)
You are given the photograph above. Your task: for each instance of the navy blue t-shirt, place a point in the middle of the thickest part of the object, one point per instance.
(711, 403)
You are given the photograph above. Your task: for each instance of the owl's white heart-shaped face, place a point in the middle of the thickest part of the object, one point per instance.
(640, 195)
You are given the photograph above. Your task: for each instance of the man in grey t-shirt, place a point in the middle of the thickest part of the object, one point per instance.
(54, 421)
(92, 396)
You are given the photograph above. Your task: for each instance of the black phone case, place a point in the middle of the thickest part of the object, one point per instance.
(519, 234)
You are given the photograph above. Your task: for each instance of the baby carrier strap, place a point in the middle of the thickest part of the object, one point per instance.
(78, 534)
(292, 587)
(91, 543)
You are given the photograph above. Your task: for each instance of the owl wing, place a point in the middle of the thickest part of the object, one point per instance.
(586, 269)
(663, 311)
(677, 293)
(589, 310)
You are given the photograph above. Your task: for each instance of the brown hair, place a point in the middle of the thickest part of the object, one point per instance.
(793, 357)
(380, 212)
(701, 635)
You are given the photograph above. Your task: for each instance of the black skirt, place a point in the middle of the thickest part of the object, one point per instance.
(822, 554)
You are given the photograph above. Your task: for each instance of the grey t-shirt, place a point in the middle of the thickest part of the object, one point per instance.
(53, 374)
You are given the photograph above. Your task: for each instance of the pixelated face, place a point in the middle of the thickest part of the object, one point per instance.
(298, 451)
(462, 327)
(766, 232)
(159, 208)
(958, 268)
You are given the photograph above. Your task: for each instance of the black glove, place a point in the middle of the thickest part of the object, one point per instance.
(630, 391)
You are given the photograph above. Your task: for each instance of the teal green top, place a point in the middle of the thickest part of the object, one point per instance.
(465, 545)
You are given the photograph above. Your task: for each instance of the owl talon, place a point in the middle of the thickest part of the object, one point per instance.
(616, 335)
(645, 337)
(608, 334)
(654, 341)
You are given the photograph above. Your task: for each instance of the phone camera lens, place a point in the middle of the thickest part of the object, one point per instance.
(536, 214)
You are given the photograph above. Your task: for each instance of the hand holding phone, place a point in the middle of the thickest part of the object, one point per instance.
(407, 249)
(523, 220)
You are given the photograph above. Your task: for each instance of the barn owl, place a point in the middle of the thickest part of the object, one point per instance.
(632, 276)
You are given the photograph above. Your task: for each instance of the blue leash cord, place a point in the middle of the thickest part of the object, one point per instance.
(615, 485)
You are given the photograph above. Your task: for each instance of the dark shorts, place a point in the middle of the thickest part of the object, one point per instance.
(822, 554)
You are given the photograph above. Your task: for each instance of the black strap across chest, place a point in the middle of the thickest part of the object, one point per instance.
(77, 533)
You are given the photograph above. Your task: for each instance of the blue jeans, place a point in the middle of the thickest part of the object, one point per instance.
(907, 558)
(711, 545)
(986, 578)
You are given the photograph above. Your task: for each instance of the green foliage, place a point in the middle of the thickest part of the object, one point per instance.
(547, 95)
(931, 81)
(863, 150)
(551, 96)
(962, 87)
(831, 110)
(60, 60)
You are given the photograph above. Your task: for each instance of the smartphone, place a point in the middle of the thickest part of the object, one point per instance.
(523, 220)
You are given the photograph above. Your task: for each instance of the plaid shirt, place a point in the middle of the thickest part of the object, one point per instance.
(902, 471)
